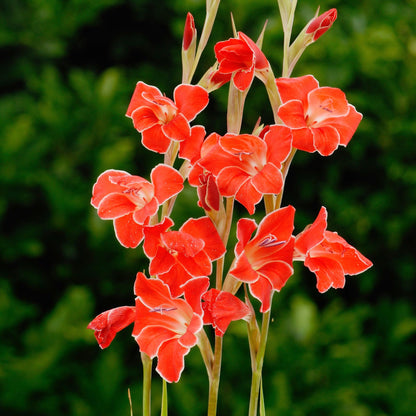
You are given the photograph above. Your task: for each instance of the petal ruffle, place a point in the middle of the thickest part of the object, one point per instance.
(154, 139)
(170, 361)
(296, 88)
(128, 232)
(105, 185)
(115, 205)
(292, 113)
(190, 100)
(167, 182)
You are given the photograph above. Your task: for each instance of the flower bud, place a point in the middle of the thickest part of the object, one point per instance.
(320, 24)
(189, 33)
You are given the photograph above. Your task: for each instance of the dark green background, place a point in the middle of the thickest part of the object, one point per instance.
(68, 69)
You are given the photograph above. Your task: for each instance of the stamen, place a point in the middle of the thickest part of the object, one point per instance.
(161, 309)
(271, 241)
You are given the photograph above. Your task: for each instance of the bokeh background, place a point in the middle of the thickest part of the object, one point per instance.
(68, 68)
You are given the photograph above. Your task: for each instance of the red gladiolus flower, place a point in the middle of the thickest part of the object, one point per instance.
(241, 57)
(319, 25)
(320, 117)
(177, 256)
(328, 255)
(131, 200)
(161, 120)
(220, 308)
(107, 324)
(265, 261)
(165, 326)
(246, 166)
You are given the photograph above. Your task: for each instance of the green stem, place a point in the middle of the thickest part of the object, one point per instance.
(164, 409)
(215, 380)
(258, 366)
(147, 383)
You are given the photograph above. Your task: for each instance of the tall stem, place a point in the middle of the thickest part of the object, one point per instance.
(258, 365)
(215, 380)
(147, 383)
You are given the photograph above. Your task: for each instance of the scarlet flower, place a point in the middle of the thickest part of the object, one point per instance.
(131, 200)
(328, 255)
(177, 256)
(319, 25)
(220, 308)
(320, 117)
(242, 58)
(107, 324)
(265, 261)
(161, 120)
(246, 166)
(165, 326)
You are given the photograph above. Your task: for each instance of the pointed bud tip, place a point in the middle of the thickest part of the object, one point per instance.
(320, 24)
(189, 32)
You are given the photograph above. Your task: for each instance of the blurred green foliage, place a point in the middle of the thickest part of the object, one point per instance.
(68, 70)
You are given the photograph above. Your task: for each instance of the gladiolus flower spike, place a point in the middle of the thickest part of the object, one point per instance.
(193, 280)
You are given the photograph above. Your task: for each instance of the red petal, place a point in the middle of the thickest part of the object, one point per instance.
(204, 229)
(178, 129)
(137, 100)
(190, 148)
(193, 291)
(230, 179)
(326, 140)
(152, 236)
(175, 278)
(277, 273)
(154, 139)
(328, 273)
(243, 270)
(303, 140)
(292, 113)
(161, 262)
(220, 308)
(141, 216)
(144, 118)
(269, 180)
(326, 102)
(107, 324)
(313, 234)
(351, 260)
(128, 232)
(105, 186)
(167, 182)
(114, 206)
(245, 228)
(243, 79)
(151, 338)
(261, 61)
(190, 100)
(170, 363)
(296, 88)
(262, 290)
(182, 242)
(278, 223)
(279, 144)
(198, 265)
(248, 196)
(347, 125)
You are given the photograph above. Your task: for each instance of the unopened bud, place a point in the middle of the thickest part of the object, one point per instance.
(189, 33)
(320, 24)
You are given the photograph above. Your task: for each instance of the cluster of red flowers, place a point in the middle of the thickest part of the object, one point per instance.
(173, 304)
